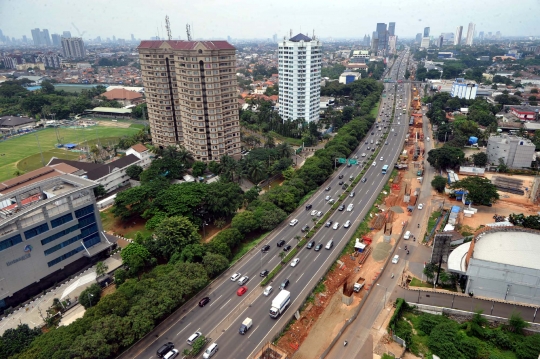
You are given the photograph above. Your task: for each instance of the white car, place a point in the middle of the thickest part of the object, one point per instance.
(268, 290)
(314, 212)
(374, 164)
(363, 155)
(350, 207)
(295, 262)
(243, 280)
(235, 276)
(420, 206)
(347, 224)
(336, 225)
(381, 159)
(392, 130)
(395, 259)
(319, 214)
(327, 198)
(293, 222)
(427, 139)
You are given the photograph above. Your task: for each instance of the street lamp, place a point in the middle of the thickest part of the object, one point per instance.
(90, 299)
(204, 229)
(385, 290)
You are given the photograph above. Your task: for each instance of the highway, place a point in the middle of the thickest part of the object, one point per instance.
(220, 319)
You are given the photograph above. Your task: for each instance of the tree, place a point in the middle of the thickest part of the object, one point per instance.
(480, 159)
(14, 341)
(223, 199)
(120, 276)
(481, 190)
(445, 157)
(252, 194)
(101, 269)
(516, 323)
(502, 167)
(90, 296)
(99, 191)
(134, 172)
(198, 168)
(245, 222)
(439, 183)
(532, 98)
(534, 90)
(214, 264)
(136, 257)
(47, 87)
(174, 233)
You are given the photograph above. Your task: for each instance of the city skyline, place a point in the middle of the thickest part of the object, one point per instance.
(93, 19)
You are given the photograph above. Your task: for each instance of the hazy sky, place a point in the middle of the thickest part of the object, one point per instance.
(262, 19)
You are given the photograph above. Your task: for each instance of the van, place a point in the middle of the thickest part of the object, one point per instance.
(330, 244)
(212, 349)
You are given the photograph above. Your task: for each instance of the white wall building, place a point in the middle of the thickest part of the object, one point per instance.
(464, 89)
(141, 152)
(299, 78)
(516, 152)
(425, 42)
(470, 34)
(73, 48)
(457, 35)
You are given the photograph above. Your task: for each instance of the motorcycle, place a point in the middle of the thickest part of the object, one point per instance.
(345, 343)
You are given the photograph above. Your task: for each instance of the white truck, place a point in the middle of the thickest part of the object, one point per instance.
(358, 285)
(246, 324)
(280, 303)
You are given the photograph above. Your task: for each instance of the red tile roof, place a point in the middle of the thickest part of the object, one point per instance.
(139, 148)
(186, 45)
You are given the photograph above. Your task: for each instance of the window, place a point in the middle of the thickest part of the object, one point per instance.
(85, 210)
(61, 220)
(59, 234)
(10, 242)
(65, 256)
(36, 230)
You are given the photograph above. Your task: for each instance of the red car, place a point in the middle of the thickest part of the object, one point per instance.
(241, 291)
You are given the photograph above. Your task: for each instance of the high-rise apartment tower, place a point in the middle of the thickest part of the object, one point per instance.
(426, 31)
(470, 34)
(73, 48)
(299, 70)
(190, 89)
(458, 35)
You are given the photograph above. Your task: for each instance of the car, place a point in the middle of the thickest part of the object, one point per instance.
(363, 154)
(305, 228)
(284, 284)
(349, 164)
(420, 206)
(350, 207)
(352, 194)
(392, 130)
(268, 290)
(327, 198)
(347, 224)
(336, 225)
(363, 180)
(427, 139)
(374, 164)
(318, 247)
(395, 259)
(366, 143)
(235, 276)
(407, 235)
(193, 337)
(241, 291)
(386, 143)
(210, 351)
(287, 247)
(243, 280)
(310, 245)
(204, 301)
(281, 243)
(294, 262)
(327, 188)
(319, 214)
(329, 223)
(341, 207)
(340, 183)
(265, 248)
(351, 177)
(331, 201)
(308, 207)
(164, 349)
(293, 222)
(264, 273)
(172, 354)
(372, 133)
(368, 148)
(381, 159)
(373, 149)
(395, 133)
(314, 212)
(340, 176)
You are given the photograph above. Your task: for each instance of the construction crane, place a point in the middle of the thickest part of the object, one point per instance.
(168, 27)
(79, 31)
(188, 31)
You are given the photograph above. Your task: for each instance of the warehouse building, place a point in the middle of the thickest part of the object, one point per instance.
(516, 152)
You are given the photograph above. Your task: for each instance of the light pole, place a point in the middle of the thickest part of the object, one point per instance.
(204, 224)
(385, 289)
(90, 299)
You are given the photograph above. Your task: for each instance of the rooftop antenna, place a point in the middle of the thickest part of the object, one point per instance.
(157, 30)
(188, 31)
(313, 34)
(168, 27)
(291, 34)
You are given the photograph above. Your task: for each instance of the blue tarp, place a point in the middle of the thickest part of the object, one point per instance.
(473, 140)
(456, 209)
(70, 145)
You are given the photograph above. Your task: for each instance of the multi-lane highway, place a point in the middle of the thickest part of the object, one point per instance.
(221, 318)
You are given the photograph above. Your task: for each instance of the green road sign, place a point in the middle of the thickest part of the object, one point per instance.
(353, 162)
(342, 160)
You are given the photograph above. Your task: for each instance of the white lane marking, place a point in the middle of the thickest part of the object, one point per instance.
(253, 331)
(215, 300)
(225, 304)
(299, 277)
(187, 325)
(316, 257)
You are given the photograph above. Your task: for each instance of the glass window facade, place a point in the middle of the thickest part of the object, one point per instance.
(10, 242)
(61, 220)
(31, 233)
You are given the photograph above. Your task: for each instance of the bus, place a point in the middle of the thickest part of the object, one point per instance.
(384, 169)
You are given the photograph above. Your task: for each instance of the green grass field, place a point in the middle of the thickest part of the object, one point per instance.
(24, 150)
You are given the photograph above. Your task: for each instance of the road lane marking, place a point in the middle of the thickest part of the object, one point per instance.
(187, 325)
(316, 257)
(253, 331)
(215, 300)
(225, 304)
(299, 277)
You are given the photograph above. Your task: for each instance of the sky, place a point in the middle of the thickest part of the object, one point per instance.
(242, 19)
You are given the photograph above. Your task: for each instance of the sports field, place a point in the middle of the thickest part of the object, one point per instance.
(22, 153)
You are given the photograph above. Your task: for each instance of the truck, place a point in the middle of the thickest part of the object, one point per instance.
(280, 303)
(246, 324)
(359, 285)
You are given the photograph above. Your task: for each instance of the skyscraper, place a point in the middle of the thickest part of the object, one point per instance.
(73, 48)
(458, 35)
(132, 38)
(382, 36)
(426, 31)
(375, 43)
(46, 39)
(470, 34)
(56, 40)
(190, 88)
(299, 69)
(36, 36)
(440, 42)
(66, 34)
(391, 29)
(481, 35)
(418, 38)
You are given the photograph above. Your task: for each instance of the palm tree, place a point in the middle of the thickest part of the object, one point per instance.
(284, 150)
(256, 170)
(157, 150)
(229, 167)
(185, 156)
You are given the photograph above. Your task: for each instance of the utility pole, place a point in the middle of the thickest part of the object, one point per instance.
(40, 151)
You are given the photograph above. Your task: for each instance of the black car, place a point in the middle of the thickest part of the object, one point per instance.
(340, 176)
(395, 133)
(372, 133)
(305, 228)
(340, 183)
(318, 247)
(327, 188)
(284, 284)
(164, 349)
(264, 273)
(329, 223)
(373, 149)
(366, 143)
(265, 248)
(341, 207)
(310, 245)
(287, 248)
(344, 187)
(280, 243)
(308, 207)
(204, 301)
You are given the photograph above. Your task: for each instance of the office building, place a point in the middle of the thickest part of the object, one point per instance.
(73, 48)
(367, 40)
(440, 42)
(375, 43)
(458, 35)
(349, 76)
(56, 40)
(470, 34)
(36, 36)
(425, 42)
(299, 69)
(190, 88)
(418, 38)
(516, 152)
(391, 29)
(382, 35)
(45, 38)
(426, 31)
(66, 34)
(50, 228)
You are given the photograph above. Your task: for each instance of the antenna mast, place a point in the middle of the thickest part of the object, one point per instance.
(168, 27)
(188, 31)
